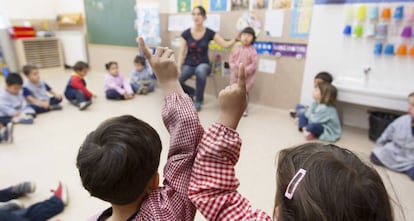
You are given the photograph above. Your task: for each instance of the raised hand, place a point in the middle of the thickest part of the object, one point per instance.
(232, 101)
(164, 65)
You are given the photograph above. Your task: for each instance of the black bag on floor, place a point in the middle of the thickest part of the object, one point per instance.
(378, 122)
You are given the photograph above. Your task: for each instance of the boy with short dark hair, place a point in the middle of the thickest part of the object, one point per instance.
(76, 91)
(37, 92)
(13, 107)
(141, 77)
(118, 162)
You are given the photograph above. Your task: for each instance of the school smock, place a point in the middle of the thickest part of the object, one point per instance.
(39, 90)
(327, 116)
(395, 147)
(170, 201)
(248, 56)
(10, 104)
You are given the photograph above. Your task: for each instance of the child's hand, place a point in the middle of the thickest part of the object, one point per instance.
(232, 101)
(44, 104)
(58, 96)
(164, 65)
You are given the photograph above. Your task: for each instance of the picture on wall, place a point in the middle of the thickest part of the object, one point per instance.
(183, 5)
(260, 4)
(218, 5)
(203, 3)
(278, 4)
(240, 4)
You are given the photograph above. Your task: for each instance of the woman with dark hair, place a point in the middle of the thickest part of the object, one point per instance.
(193, 58)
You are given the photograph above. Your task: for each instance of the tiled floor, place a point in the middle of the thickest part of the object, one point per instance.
(45, 152)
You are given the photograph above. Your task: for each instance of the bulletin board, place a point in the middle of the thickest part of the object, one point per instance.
(111, 22)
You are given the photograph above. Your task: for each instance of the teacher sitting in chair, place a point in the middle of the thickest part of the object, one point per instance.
(193, 57)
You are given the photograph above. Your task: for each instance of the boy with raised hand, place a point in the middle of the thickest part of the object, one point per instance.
(118, 162)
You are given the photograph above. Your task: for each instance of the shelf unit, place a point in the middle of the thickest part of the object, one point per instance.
(46, 53)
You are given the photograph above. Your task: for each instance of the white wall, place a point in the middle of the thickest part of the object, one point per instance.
(39, 9)
(70, 6)
(329, 50)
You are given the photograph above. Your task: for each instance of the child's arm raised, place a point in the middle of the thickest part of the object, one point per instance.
(213, 184)
(181, 121)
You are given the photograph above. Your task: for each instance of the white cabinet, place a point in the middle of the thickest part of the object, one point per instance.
(46, 53)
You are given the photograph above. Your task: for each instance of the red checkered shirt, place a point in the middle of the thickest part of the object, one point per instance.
(171, 201)
(213, 184)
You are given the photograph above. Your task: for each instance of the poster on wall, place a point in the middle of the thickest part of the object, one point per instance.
(240, 5)
(301, 18)
(274, 23)
(148, 22)
(218, 5)
(279, 4)
(260, 4)
(183, 5)
(249, 19)
(203, 3)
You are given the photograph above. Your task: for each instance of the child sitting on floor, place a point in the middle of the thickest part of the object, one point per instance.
(76, 91)
(116, 86)
(37, 92)
(321, 119)
(321, 77)
(314, 181)
(394, 149)
(13, 106)
(246, 54)
(13, 210)
(142, 81)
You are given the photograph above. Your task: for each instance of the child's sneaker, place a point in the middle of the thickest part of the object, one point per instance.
(24, 188)
(84, 105)
(55, 107)
(292, 113)
(197, 105)
(8, 133)
(11, 205)
(245, 113)
(61, 192)
(308, 135)
(26, 119)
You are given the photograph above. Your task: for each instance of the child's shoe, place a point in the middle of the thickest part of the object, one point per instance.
(24, 188)
(11, 205)
(292, 113)
(84, 105)
(410, 173)
(24, 119)
(308, 135)
(245, 113)
(197, 105)
(55, 107)
(61, 192)
(8, 133)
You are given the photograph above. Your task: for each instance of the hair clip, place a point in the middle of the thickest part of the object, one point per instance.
(290, 190)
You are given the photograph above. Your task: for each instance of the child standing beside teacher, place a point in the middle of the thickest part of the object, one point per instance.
(246, 54)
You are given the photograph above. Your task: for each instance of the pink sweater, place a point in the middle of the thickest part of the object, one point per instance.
(118, 83)
(248, 56)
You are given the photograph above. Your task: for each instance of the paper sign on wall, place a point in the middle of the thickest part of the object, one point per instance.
(274, 23)
(267, 66)
(182, 22)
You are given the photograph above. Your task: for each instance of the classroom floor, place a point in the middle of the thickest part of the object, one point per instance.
(46, 151)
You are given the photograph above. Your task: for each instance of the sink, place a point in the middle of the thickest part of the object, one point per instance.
(373, 93)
